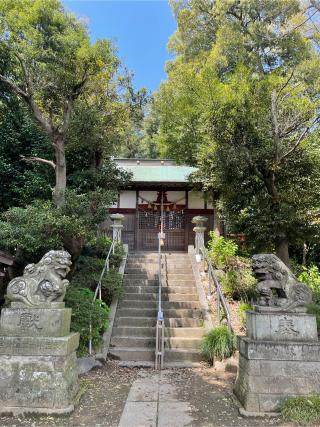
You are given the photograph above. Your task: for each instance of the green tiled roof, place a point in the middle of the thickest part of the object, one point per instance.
(160, 173)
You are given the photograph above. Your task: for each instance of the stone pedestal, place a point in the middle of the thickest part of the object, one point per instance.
(280, 357)
(38, 364)
(199, 230)
(117, 226)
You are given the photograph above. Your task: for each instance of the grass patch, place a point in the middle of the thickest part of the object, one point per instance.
(219, 343)
(303, 410)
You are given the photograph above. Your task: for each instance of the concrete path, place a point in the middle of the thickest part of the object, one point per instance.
(154, 402)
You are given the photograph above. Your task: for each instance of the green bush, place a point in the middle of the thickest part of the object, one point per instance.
(242, 309)
(88, 274)
(218, 343)
(238, 284)
(303, 410)
(80, 301)
(98, 246)
(112, 286)
(221, 249)
(37, 228)
(315, 309)
(311, 277)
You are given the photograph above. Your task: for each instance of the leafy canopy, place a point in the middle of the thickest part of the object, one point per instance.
(241, 102)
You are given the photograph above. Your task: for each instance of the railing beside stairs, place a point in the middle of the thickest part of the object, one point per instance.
(159, 354)
(212, 279)
(97, 293)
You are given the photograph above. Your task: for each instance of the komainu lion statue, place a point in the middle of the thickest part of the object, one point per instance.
(42, 283)
(277, 286)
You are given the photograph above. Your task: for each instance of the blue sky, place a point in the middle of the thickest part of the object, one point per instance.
(140, 29)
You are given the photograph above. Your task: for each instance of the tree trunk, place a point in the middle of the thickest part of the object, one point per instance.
(282, 248)
(61, 172)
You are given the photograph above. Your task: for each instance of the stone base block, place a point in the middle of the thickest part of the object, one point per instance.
(39, 384)
(26, 322)
(269, 372)
(281, 326)
(39, 346)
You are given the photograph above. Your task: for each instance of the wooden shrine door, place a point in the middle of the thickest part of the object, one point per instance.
(149, 227)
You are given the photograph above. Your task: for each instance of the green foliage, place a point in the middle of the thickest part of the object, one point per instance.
(88, 274)
(80, 300)
(38, 227)
(98, 246)
(218, 343)
(236, 279)
(242, 309)
(238, 283)
(112, 286)
(221, 249)
(311, 277)
(21, 182)
(315, 309)
(241, 102)
(91, 264)
(303, 410)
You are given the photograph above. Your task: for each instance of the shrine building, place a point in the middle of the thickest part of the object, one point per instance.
(155, 183)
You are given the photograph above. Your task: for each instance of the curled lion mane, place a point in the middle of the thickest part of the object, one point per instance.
(43, 282)
(277, 286)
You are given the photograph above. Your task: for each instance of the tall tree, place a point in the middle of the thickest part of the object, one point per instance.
(241, 101)
(51, 65)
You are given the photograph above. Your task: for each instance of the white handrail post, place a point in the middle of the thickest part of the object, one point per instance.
(159, 353)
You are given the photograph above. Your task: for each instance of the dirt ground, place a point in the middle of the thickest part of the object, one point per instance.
(104, 393)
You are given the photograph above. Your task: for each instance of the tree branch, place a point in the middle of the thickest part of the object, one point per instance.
(25, 73)
(295, 146)
(38, 160)
(15, 88)
(315, 4)
(285, 85)
(28, 100)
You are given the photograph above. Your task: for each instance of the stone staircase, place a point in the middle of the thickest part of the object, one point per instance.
(134, 334)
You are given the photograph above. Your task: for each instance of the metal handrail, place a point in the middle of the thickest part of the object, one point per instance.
(221, 300)
(159, 353)
(97, 292)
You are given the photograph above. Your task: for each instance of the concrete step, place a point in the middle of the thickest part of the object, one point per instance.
(129, 280)
(177, 283)
(154, 264)
(154, 255)
(132, 281)
(151, 322)
(179, 276)
(168, 313)
(181, 355)
(133, 342)
(146, 296)
(154, 304)
(182, 343)
(141, 290)
(150, 342)
(150, 269)
(150, 331)
(151, 275)
(132, 354)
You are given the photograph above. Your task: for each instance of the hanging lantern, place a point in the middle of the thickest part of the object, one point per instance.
(168, 208)
(174, 206)
(155, 207)
(149, 205)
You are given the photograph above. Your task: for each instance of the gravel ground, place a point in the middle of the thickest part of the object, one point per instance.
(105, 391)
